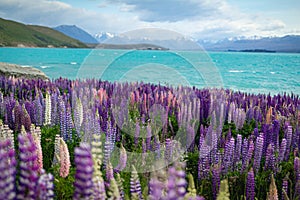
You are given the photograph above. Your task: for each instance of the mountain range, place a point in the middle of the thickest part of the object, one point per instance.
(17, 34)
(288, 43)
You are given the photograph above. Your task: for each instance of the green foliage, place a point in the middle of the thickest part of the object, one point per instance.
(47, 143)
(64, 187)
(13, 33)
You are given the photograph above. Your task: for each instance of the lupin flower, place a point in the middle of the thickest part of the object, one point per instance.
(216, 172)
(47, 109)
(180, 180)
(56, 157)
(123, 159)
(171, 187)
(109, 173)
(238, 149)
(156, 185)
(282, 150)
(135, 185)
(98, 182)
(228, 157)
(270, 158)
(192, 192)
(7, 134)
(84, 172)
(38, 111)
(45, 186)
(224, 191)
(113, 190)
(120, 181)
(289, 135)
(258, 152)
(65, 163)
(272, 194)
(250, 186)
(148, 139)
(79, 111)
(28, 168)
(297, 176)
(36, 134)
(168, 150)
(285, 185)
(8, 170)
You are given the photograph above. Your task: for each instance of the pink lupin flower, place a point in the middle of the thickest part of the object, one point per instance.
(64, 159)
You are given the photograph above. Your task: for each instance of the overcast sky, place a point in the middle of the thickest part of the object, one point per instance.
(201, 19)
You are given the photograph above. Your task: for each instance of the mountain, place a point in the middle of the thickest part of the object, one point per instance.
(76, 33)
(288, 43)
(162, 39)
(103, 36)
(17, 34)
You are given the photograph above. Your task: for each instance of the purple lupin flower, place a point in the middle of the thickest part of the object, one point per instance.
(148, 139)
(69, 123)
(157, 146)
(203, 163)
(135, 185)
(168, 151)
(244, 152)
(228, 157)
(38, 111)
(181, 183)
(156, 188)
(216, 172)
(84, 172)
(285, 185)
(62, 119)
(45, 186)
(248, 156)
(259, 144)
(54, 117)
(289, 135)
(8, 170)
(238, 149)
(250, 186)
(297, 176)
(282, 150)
(270, 158)
(123, 159)
(171, 186)
(109, 173)
(28, 168)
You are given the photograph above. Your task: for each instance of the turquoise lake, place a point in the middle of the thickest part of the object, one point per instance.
(249, 72)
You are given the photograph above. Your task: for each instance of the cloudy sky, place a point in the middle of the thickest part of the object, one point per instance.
(201, 19)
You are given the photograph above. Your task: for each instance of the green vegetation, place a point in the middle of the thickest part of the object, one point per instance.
(17, 34)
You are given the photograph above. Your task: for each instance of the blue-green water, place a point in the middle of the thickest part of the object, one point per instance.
(249, 72)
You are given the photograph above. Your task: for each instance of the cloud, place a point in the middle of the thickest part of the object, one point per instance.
(54, 13)
(207, 19)
(172, 10)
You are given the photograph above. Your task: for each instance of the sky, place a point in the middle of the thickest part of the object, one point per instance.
(199, 19)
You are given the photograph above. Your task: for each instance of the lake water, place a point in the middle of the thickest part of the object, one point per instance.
(248, 72)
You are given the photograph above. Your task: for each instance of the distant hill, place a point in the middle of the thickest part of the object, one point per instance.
(76, 33)
(288, 43)
(17, 34)
(131, 46)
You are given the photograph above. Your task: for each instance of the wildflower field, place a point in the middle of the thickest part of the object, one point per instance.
(91, 139)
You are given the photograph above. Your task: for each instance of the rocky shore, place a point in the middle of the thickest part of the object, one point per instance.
(18, 71)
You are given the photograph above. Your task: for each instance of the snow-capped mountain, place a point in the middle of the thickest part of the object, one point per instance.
(103, 36)
(288, 43)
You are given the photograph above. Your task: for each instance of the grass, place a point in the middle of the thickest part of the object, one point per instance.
(13, 34)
